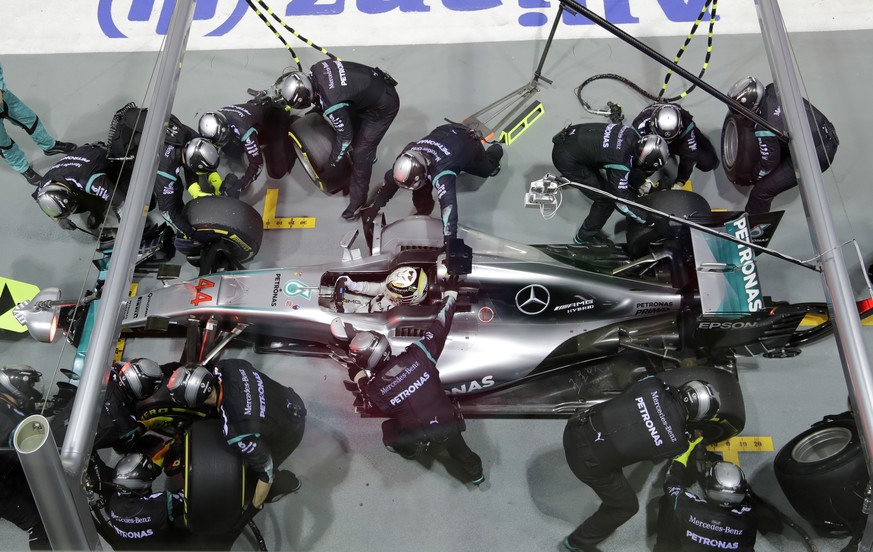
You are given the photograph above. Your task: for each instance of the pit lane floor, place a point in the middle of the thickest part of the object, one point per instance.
(355, 494)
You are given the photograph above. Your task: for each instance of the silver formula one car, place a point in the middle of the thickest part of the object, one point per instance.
(539, 329)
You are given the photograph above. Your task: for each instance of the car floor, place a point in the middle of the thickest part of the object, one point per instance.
(355, 494)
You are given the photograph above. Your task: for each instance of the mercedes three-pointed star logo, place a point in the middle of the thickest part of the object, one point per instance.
(532, 299)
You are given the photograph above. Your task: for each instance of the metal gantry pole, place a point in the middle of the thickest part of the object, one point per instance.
(78, 444)
(838, 290)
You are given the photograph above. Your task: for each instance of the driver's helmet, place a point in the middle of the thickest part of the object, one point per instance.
(725, 484)
(191, 386)
(57, 199)
(652, 153)
(410, 170)
(200, 155)
(369, 349)
(748, 91)
(296, 89)
(213, 126)
(700, 401)
(667, 121)
(22, 383)
(141, 377)
(406, 285)
(134, 474)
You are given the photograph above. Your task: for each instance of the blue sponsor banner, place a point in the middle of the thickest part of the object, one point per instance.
(133, 25)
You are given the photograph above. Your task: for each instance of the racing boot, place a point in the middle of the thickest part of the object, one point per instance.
(60, 147)
(587, 238)
(33, 178)
(284, 483)
(350, 214)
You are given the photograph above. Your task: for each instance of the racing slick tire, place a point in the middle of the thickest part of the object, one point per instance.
(236, 223)
(674, 202)
(217, 482)
(730, 146)
(312, 139)
(823, 474)
(732, 408)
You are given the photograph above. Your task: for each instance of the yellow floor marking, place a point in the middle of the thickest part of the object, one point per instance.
(731, 448)
(272, 222)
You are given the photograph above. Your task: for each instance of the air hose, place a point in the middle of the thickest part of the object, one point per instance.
(613, 110)
(262, 5)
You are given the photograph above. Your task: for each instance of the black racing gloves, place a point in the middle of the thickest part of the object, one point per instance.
(459, 257)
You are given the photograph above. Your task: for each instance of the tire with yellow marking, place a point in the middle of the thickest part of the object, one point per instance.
(228, 219)
(312, 139)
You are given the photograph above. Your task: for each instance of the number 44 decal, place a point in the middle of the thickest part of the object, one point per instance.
(201, 296)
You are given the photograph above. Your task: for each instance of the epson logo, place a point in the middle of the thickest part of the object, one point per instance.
(725, 325)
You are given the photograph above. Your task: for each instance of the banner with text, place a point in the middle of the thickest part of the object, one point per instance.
(64, 26)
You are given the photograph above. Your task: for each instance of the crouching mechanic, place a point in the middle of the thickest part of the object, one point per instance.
(142, 519)
(763, 160)
(723, 519)
(407, 388)
(582, 151)
(406, 285)
(188, 161)
(246, 129)
(263, 420)
(684, 139)
(647, 421)
(359, 102)
(81, 181)
(434, 162)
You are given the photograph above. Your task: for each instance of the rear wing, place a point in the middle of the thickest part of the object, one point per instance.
(727, 273)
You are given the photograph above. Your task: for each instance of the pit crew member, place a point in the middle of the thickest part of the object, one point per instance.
(647, 421)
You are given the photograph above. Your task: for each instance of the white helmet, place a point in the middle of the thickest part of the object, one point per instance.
(667, 121)
(725, 484)
(406, 285)
(296, 89)
(200, 155)
(213, 126)
(652, 153)
(748, 91)
(410, 170)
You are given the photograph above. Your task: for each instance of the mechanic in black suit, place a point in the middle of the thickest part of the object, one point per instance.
(117, 427)
(246, 129)
(18, 395)
(582, 151)
(263, 420)
(359, 102)
(407, 388)
(684, 140)
(647, 421)
(723, 519)
(434, 162)
(142, 519)
(82, 180)
(764, 161)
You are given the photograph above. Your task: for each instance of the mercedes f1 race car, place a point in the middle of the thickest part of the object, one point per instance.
(540, 330)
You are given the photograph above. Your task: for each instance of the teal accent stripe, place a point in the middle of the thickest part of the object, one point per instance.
(167, 175)
(169, 505)
(333, 108)
(440, 175)
(687, 130)
(420, 346)
(616, 166)
(763, 133)
(239, 438)
(247, 134)
(91, 181)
